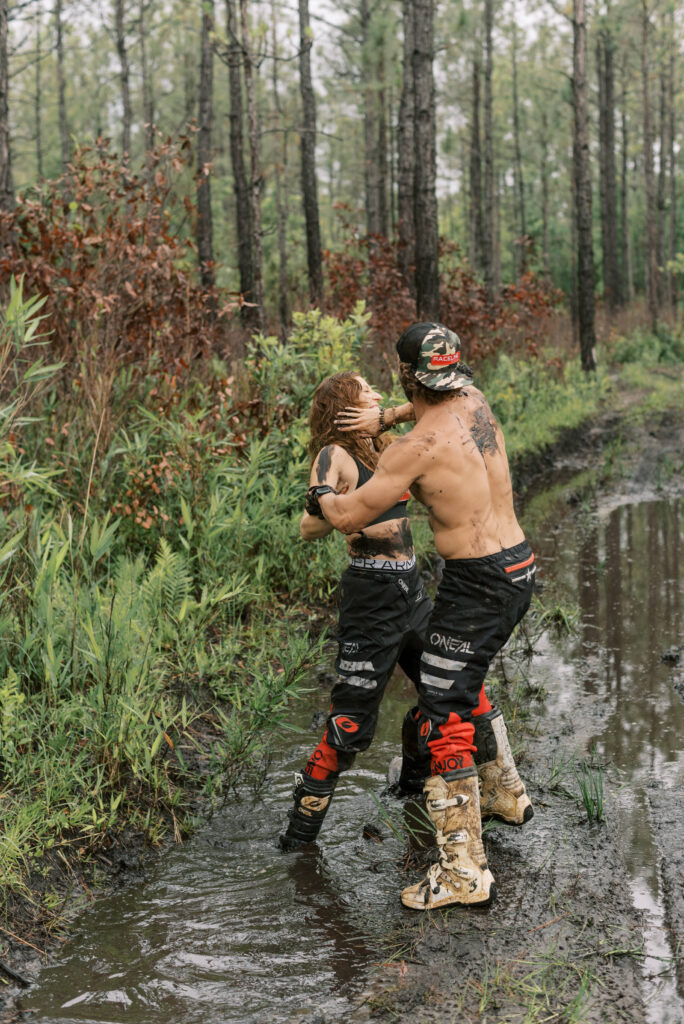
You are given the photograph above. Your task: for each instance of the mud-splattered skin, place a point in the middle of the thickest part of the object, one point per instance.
(394, 541)
(324, 463)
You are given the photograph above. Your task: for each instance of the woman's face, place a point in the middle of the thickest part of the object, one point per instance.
(368, 397)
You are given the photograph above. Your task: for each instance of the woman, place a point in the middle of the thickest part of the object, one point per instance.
(383, 606)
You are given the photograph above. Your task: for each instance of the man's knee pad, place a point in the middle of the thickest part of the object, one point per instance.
(327, 762)
(351, 732)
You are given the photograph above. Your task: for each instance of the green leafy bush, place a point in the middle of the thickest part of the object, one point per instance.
(649, 349)
(535, 401)
(153, 584)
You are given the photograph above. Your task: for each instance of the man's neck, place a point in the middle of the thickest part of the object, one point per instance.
(421, 408)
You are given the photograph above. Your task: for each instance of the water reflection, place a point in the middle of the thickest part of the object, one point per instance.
(628, 594)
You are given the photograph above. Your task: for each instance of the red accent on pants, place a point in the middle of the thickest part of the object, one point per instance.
(483, 704)
(323, 762)
(453, 747)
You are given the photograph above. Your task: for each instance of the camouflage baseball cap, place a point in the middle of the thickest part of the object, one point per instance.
(433, 352)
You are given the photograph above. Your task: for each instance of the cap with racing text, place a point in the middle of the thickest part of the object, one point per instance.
(433, 352)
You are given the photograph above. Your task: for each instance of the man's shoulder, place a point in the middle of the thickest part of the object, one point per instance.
(476, 395)
(410, 449)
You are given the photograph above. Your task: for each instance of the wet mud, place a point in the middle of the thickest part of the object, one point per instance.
(589, 915)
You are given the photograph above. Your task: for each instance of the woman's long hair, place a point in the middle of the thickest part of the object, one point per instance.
(330, 398)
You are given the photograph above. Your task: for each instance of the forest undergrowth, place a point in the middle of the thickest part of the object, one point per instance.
(159, 608)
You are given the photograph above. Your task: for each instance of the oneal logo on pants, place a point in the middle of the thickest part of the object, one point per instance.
(347, 724)
(451, 643)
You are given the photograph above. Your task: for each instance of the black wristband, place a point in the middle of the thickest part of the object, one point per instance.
(383, 426)
(312, 504)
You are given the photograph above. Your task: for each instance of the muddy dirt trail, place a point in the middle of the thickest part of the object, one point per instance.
(588, 917)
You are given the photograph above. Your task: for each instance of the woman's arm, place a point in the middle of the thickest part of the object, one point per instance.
(332, 468)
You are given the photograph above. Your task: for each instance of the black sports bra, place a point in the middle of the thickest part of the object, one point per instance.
(397, 511)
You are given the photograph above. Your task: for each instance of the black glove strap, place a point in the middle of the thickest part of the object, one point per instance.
(312, 504)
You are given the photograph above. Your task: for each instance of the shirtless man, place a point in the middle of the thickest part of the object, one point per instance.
(454, 461)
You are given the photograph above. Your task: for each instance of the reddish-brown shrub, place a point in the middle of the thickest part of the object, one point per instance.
(367, 268)
(98, 242)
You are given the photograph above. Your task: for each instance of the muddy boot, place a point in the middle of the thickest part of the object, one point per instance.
(407, 774)
(461, 875)
(311, 801)
(502, 794)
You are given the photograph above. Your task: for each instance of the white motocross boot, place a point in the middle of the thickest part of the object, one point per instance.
(502, 793)
(461, 876)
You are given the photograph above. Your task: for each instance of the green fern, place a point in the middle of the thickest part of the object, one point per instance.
(168, 583)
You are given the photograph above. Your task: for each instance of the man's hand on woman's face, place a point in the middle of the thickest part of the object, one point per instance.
(357, 419)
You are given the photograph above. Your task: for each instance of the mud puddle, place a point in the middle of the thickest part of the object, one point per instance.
(588, 917)
(228, 928)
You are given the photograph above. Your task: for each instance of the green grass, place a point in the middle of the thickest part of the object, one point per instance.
(153, 627)
(589, 777)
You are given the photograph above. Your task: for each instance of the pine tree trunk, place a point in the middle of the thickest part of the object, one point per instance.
(661, 210)
(489, 200)
(476, 222)
(582, 179)
(6, 188)
(627, 283)
(61, 98)
(280, 179)
(392, 158)
(651, 259)
(308, 157)
(147, 93)
(382, 147)
(370, 128)
(243, 214)
(574, 291)
(608, 184)
(38, 99)
(672, 250)
(255, 170)
(205, 245)
(124, 78)
(406, 155)
(544, 174)
(425, 212)
(521, 250)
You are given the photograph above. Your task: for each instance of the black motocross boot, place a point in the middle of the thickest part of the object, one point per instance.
(311, 801)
